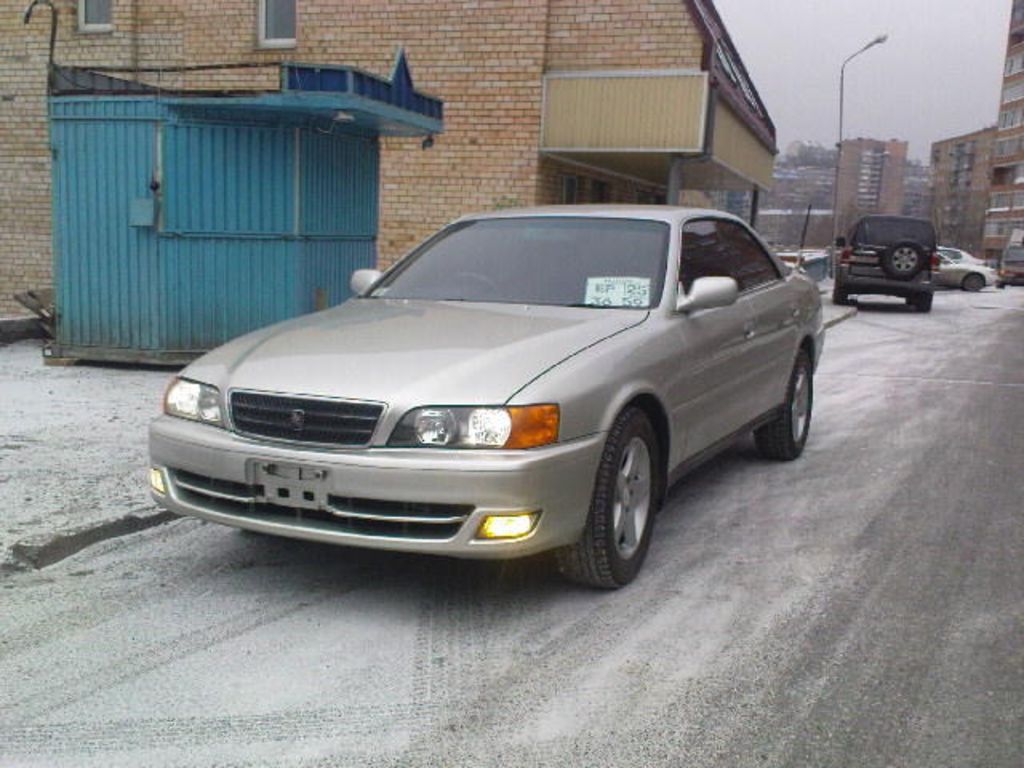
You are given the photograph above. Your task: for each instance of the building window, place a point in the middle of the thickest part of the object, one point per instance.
(95, 15)
(570, 190)
(599, 192)
(277, 23)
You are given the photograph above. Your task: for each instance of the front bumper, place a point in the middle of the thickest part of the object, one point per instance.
(411, 500)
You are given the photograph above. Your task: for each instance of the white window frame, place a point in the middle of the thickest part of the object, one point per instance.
(274, 42)
(84, 26)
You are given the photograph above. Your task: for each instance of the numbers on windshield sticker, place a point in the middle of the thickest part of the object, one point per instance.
(618, 292)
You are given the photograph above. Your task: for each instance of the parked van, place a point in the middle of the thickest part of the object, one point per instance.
(1011, 262)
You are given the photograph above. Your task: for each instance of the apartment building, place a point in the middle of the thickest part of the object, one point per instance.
(546, 101)
(1006, 208)
(960, 188)
(871, 178)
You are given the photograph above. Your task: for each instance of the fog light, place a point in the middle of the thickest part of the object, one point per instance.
(507, 526)
(156, 481)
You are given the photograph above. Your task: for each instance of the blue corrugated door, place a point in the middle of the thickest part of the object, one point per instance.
(106, 269)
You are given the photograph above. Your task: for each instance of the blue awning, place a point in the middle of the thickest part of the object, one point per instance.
(344, 97)
(351, 98)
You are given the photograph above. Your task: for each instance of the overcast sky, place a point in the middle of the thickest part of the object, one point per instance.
(939, 74)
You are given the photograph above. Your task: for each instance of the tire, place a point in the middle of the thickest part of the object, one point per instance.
(903, 260)
(973, 282)
(785, 436)
(840, 297)
(922, 301)
(627, 491)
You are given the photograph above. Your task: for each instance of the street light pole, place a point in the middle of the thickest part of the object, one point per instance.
(839, 147)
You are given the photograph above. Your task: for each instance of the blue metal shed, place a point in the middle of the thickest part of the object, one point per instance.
(182, 220)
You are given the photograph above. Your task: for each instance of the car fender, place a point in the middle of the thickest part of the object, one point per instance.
(592, 387)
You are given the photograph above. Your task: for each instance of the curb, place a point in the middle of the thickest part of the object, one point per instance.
(47, 551)
(844, 315)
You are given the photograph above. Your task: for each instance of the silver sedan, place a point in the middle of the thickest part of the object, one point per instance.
(958, 269)
(524, 381)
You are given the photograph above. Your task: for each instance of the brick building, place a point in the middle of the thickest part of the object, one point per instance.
(960, 188)
(871, 178)
(546, 101)
(1006, 210)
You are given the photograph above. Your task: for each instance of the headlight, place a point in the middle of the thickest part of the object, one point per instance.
(518, 427)
(192, 400)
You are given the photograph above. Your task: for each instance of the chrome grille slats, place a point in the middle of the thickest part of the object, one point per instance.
(304, 419)
(374, 518)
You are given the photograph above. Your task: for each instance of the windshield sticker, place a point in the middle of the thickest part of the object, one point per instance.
(618, 292)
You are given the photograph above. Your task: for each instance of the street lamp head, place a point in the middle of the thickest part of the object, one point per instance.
(880, 39)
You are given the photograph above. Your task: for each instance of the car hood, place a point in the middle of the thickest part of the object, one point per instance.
(405, 351)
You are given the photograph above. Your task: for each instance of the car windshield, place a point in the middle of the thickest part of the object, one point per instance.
(883, 231)
(563, 261)
(1013, 256)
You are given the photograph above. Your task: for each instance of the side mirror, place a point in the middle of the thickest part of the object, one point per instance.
(362, 280)
(840, 242)
(708, 293)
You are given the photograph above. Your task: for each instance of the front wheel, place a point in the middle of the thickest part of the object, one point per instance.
(784, 437)
(627, 491)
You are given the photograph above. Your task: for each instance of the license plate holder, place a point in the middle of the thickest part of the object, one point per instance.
(291, 485)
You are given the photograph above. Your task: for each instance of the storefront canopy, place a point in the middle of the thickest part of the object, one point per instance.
(349, 98)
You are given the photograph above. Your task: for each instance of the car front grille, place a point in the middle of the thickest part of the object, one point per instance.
(305, 419)
(361, 517)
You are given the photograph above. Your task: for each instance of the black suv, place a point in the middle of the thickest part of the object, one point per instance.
(887, 255)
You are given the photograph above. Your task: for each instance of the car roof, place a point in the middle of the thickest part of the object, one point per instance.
(666, 213)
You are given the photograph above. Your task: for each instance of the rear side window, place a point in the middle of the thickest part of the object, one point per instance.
(882, 231)
(1014, 256)
(719, 248)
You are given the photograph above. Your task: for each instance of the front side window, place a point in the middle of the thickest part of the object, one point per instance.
(560, 261)
(95, 15)
(720, 248)
(277, 23)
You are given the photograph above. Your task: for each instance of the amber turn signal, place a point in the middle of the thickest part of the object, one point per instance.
(533, 426)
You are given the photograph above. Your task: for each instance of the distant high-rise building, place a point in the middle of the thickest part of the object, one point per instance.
(804, 178)
(960, 188)
(917, 192)
(1006, 205)
(871, 176)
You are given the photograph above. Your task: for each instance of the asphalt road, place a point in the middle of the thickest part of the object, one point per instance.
(863, 606)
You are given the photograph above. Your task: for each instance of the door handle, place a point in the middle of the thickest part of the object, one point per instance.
(748, 331)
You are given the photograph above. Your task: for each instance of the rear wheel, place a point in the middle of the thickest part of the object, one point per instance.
(973, 282)
(627, 491)
(784, 437)
(922, 302)
(840, 297)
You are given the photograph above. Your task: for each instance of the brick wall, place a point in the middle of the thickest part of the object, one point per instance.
(484, 58)
(622, 34)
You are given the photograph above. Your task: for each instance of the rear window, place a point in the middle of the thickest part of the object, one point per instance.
(1013, 256)
(881, 231)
